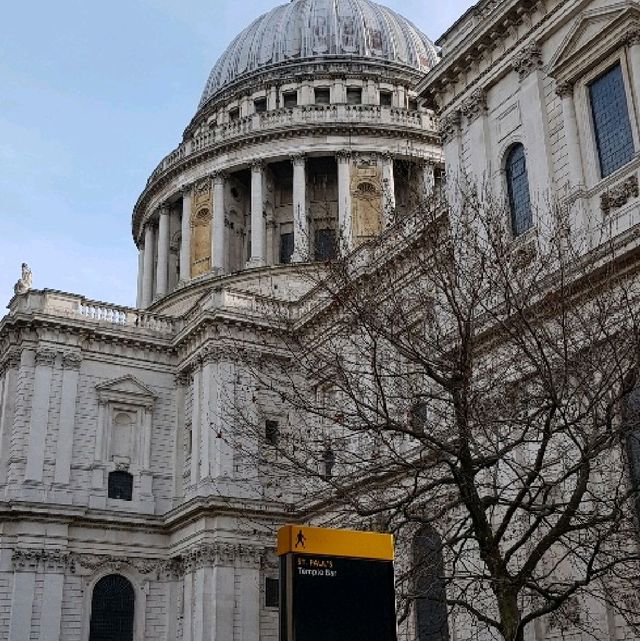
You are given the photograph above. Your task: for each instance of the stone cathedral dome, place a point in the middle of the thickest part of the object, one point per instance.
(307, 29)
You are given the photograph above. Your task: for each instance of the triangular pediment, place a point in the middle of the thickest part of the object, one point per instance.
(126, 386)
(589, 30)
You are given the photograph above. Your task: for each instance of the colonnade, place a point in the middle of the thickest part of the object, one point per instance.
(153, 263)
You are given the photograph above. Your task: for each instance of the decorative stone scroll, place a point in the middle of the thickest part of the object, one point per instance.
(527, 60)
(210, 554)
(475, 105)
(449, 126)
(619, 194)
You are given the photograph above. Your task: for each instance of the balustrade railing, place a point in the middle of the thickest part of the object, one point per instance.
(292, 117)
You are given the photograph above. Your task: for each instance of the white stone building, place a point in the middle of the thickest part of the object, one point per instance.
(126, 512)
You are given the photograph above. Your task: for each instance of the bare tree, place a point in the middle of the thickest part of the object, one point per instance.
(470, 393)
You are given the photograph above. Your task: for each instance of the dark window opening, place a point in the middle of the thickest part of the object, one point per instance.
(234, 114)
(290, 99)
(323, 96)
(112, 609)
(430, 593)
(611, 121)
(120, 485)
(286, 248)
(271, 592)
(271, 432)
(328, 460)
(325, 244)
(518, 188)
(354, 96)
(418, 416)
(385, 98)
(413, 104)
(260, 105)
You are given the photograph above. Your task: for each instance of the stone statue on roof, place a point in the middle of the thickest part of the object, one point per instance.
(24, 282)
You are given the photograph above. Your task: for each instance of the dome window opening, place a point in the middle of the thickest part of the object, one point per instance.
(234, 114)
(324, 245)
(260, 105)
(354, 95)
(412, 104)
(286, 247)
(323, 96)
(385, 98)
(290, 99)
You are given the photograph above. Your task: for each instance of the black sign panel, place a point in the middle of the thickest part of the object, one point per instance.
(329, 598)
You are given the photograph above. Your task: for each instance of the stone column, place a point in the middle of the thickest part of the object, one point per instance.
(450, 135)
(633, 41)
(71, 367)
(388, 190)
(300, 222)
(428, 180)
(572, 139)
(139, 292)
(474, 110)
(162, 266)
(7, 409)
(222, 390)
(44, 361)
(181, 383)
(218, 225)
(196, 425)
(344, 201)
(248, 578)
(52, 591)
(24, 583)
(147, 281)
(258, 223)
(185, 226)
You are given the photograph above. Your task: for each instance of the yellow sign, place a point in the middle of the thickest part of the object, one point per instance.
(301, 539)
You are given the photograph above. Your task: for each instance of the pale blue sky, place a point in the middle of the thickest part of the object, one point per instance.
(92, 96)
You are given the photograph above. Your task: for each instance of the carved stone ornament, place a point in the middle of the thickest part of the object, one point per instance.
(527, 60)
(564, 88)
(257, 164)
(45, 357)
(344, 155)
(633, 36)
(25, 281)
(210, 554)
(298, 159)
(449, 126)
(475, 105)
(71, 360)
(619, 194)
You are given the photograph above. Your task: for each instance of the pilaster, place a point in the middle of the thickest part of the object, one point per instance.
(162, 265)
(185, 230)
(388, 190)
(147, 281)
(300, 221)
(258, 223)
(343, 159)
(218, 226)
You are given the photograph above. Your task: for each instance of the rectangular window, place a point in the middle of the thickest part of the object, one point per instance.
(385, 98)
(260, 105)
(325, 244)
(286, 248)
(271, 592)
(354, 96)
(290, 99)
(611, 120)
(323, 96)
(412, 104)
(234, 114)
(271, 432)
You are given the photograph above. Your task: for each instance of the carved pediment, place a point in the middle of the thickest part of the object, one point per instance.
(593, 35)
(125, 389)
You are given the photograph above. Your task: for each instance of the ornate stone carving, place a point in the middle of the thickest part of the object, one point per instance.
(475, 105)
(29, 560)
(45, 357)
(71, 360)
(186, 189)
(619, 194)
(218, 177)
(210, 554)
(11, 360)
(298, 159)
(25, 281)
(564, 88)
(344, 155)
(527, 60)
(632, 37)
(449, 126)
(257, 164)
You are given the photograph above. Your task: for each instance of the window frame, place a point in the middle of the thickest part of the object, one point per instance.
(508, 150)
(586, 128)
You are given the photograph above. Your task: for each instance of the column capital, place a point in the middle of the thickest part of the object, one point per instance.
(186, 189)
(257, 165)
(71, 360)
(45, 357)
(632, 37)
(344, 155)
(564, 88)
(475, 105)
(218, 177)
(449, 126)
(298, 160)
(387, 157)
(527, 60)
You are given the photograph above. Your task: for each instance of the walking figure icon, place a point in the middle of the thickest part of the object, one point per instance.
(300, 539)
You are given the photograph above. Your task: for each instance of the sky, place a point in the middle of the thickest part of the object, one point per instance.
(92, 96)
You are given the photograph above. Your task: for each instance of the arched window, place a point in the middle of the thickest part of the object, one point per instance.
(112, 607)
(120, 485)
(518, 188)
(429, 588)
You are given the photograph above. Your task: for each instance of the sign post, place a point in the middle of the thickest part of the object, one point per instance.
(336, 585)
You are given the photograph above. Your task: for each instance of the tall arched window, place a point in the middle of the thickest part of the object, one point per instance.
(431, 605)
(112, 607)
(518, 188)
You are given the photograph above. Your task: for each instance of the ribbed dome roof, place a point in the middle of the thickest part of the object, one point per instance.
(304, 29)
